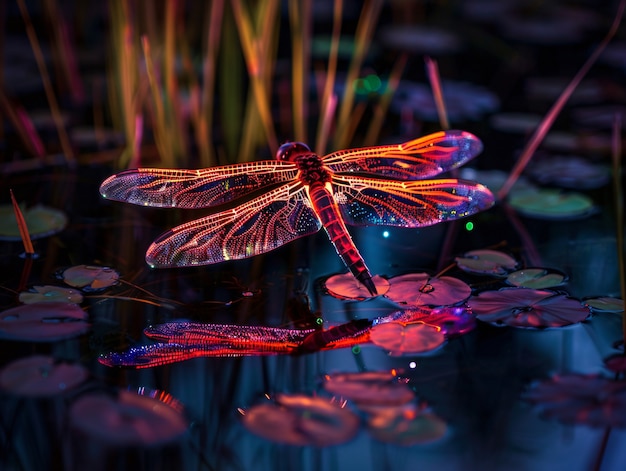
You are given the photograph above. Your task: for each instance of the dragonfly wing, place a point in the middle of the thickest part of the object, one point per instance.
(257, 226)
(183, 188)
(414, 160)
(368, 201)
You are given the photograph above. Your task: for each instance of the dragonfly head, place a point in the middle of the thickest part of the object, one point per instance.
(290, 150)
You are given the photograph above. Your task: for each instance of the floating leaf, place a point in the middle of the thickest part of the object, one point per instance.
(41, 221)
(346, 286)
(40, 375)
(49, 293)
(406, 426)
(536, 278)
(90, 277)
(581, 399)
(371, 388)
(616, 363)
(605, 304)
(400, 338)
(418, 289)
(523, 307)
(302, 420)
(486, 262)
(570, 172)
(452, 320)
(553, 204)
(43, 322)
(127, 419)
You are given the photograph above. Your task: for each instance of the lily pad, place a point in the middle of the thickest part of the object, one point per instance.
(40, 376)
(616, 363)
(524, 307)
(417, 289)
(537, 278)
(581, 399)
(90, 277)
(346, 286)
(49, 293)
(399, 338)
(486, 262)
(406, 426)
(371, 388)
(301, 420)
(127, 419)
(43, 322)
(570, 172)
(41, 221)
(605, 304)
(553, 204)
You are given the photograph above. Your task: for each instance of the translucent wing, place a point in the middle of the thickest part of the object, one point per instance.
(256, 226)
(414, 160)
(368, 201)
(182, 188)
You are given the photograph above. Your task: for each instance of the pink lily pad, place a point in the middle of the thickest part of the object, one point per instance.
(127, 419)
(486, 262)
(49, 293)
(400, 338)
(616, 363)
(419, 289)
(378, 388)
(346, 286)
(537, 278)
(581, 399)
(40, 376)
(89, 277)
(301, 420)
(523, 307)
(406, 426)
(43, 322)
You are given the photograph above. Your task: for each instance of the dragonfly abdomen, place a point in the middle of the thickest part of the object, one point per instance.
(326, 208)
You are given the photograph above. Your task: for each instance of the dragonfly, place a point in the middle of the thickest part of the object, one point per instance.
(273, 202)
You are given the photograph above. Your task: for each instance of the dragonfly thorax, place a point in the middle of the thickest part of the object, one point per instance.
(312, 169)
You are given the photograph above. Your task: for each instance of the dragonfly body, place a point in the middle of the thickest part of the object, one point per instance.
(317, 180)
(301, 192)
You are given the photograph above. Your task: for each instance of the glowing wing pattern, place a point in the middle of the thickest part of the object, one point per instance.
(413, 160)
(370, 201)
(182, 188)
(254, 227)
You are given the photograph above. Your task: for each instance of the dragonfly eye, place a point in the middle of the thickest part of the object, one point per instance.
(290, 150)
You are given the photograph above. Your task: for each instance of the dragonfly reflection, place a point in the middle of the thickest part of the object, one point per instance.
(301, 192)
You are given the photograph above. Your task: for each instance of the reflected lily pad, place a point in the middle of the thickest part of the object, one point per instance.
(523, 307)
(581, 399)
(417, 289)
(452, 320)
(486, 262)
(302, 420)
(90, 277)
(127, 419)
(49, 293)
(399, 338)
(43, 322)
(536, 278)
(41, 221)
(346, 286)
(41, 376)
(371, 388)
(553, 204)
(406, 426)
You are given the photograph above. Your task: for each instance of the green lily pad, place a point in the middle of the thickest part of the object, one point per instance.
(40, 220)
(537, 278)
(49, 293)
(553, 204)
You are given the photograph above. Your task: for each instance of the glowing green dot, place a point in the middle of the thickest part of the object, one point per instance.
(319, 321)
(469, 225)
(356, 349)
(372, 83)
